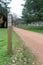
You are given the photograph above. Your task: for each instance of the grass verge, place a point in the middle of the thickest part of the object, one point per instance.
(20, 56)
(38, 29)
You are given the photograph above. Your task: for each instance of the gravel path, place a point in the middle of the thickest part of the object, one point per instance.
(33, 40)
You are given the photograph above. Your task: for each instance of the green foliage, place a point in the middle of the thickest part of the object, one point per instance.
(38, 29)
(4, 12)
(3, 9)
(33, 10)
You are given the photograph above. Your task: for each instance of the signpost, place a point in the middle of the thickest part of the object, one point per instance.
(9, 32)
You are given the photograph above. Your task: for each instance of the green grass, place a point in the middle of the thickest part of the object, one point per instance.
(38, 29)
(20, 56)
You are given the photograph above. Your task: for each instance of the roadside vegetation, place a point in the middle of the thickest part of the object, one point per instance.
(38, 29)
(20, 55)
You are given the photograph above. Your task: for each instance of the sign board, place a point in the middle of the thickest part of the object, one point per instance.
(9, 20)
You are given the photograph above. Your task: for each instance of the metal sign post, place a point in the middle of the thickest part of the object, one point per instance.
(9, 33)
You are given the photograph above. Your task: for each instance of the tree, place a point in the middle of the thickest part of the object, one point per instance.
(33, 10)
(4, 11)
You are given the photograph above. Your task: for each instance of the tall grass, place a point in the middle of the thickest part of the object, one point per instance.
(38, 29)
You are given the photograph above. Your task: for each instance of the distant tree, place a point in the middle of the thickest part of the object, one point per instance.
(32, 11)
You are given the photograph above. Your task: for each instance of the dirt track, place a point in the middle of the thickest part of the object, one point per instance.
(33, 40)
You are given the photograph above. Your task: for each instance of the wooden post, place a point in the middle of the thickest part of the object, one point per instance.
(10, 39)
(9, 33)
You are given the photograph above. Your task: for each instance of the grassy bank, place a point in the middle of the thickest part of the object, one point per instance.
(33, 28)
(20, 56)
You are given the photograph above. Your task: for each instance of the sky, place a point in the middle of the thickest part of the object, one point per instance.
(16, 7)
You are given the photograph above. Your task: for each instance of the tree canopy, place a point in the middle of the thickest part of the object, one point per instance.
(33, 11)
(3, 7)
(4, 12)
